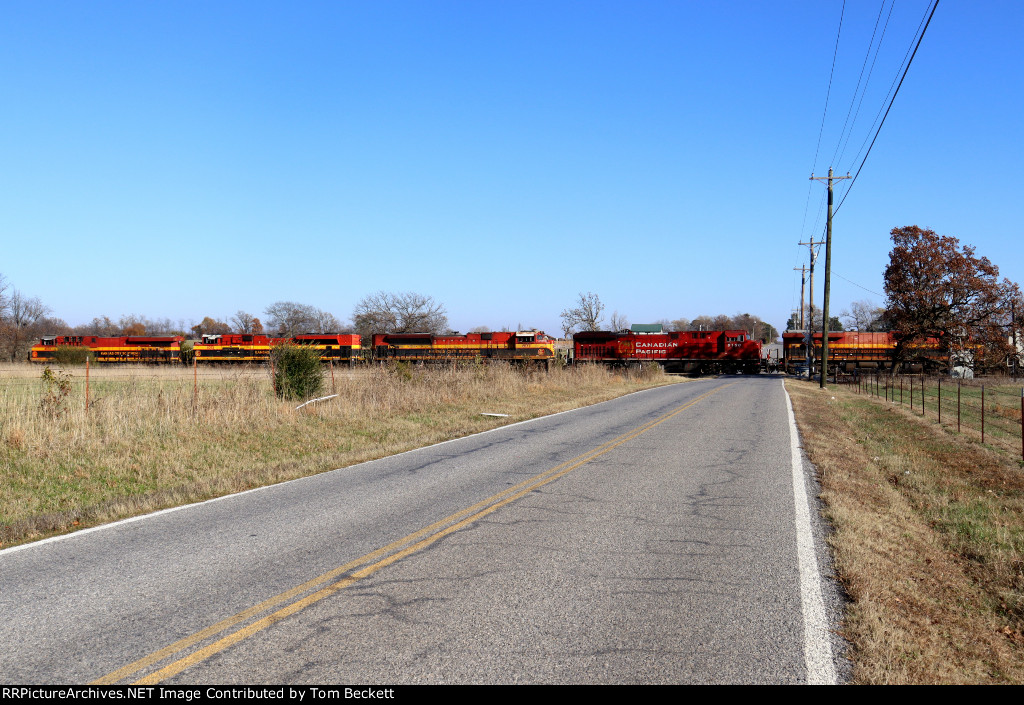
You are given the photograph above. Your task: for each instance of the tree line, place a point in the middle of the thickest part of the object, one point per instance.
(24, 319)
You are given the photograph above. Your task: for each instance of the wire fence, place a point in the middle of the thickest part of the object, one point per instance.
(991, 409)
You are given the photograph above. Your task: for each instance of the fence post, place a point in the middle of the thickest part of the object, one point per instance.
(939, 404)
(334, 389)
(924, 381)
(1022, 423)
(958, 406)
(195, 380)
(87, 383)
(911, 393)
(983, 413)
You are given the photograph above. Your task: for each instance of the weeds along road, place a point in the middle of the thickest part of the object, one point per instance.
(651, 538)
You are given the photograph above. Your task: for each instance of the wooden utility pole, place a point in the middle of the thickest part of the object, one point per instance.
(803, 283)
(828, 273)
(809, 330)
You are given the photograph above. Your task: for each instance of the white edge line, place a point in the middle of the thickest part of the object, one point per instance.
(121, 522)
(817, 644)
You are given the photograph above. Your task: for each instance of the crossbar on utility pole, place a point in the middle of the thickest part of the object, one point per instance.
(828, 273)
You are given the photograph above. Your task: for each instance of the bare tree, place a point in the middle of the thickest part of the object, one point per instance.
(3, 295)
(19, 324)
(408, 312)
(864, 315)
(585, 316)
(243, 322)
(618, 322)
(288, 318)
(326, 323)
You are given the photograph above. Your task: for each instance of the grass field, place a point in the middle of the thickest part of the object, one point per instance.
(154, 437)
(929, 536)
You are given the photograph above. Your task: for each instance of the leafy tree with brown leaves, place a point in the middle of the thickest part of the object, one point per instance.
(936, 288)
(210, 326)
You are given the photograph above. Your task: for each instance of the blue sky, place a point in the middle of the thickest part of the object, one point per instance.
(190, 159)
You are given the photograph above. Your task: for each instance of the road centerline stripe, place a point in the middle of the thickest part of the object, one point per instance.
(377, 560)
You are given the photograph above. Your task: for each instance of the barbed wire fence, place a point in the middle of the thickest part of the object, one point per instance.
(991, 409)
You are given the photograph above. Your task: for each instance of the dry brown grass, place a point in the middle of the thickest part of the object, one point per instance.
(149, 440)
(929, 534)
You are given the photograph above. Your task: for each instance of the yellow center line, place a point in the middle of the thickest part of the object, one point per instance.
(379, 558)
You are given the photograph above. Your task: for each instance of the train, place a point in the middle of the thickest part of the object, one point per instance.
(693, 352)
(233, 348)
(853, 351)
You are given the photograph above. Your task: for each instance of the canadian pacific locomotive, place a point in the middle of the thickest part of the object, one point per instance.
(697, 352)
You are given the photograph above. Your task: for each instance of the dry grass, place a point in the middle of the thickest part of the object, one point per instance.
(149, 440)
(928, 542)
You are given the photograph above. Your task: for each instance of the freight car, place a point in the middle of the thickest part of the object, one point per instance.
(850, 351)
(696, 352)
(122, 349)
(245, 347)
(529, 346)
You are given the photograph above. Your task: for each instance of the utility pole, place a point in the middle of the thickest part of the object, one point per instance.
(1013, 331)
(809, 339)
(803, 283)
(828, 273)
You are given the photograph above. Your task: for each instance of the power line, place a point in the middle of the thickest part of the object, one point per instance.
(918, 46)
(838, 155)
(858, 285)
(821, 130)
(828, 93)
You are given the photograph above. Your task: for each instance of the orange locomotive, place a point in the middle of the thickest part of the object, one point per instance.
(228, 348)
(246, 347)
(123, 349)
(529, 346)
(849, 351)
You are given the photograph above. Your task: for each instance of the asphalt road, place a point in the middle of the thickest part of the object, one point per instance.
(650, 539)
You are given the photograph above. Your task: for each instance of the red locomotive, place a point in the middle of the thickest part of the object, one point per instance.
(696, 352)
(522, 346)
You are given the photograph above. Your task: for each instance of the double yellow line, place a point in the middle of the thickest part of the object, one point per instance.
(377, 560)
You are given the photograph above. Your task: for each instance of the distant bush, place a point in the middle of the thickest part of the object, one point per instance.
(297, 371)
(186, 353)
(66, 355)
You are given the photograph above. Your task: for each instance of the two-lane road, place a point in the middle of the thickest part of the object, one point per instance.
(653, 538)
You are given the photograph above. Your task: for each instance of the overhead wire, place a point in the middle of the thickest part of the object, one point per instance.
(920, 38)
(841, 144)
(824, 113)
